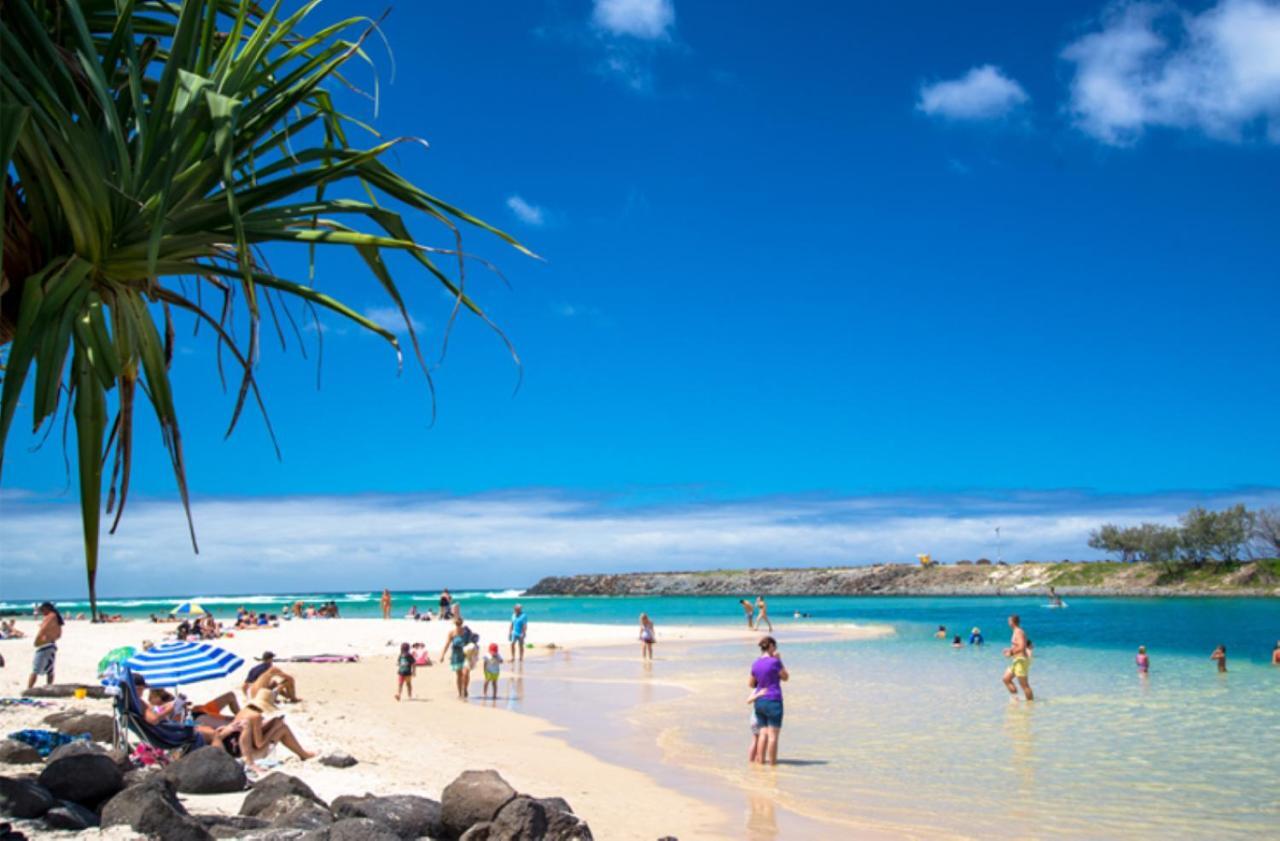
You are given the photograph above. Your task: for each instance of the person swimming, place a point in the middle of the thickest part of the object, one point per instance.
(975, 636)
(941, 633)
(956, 642)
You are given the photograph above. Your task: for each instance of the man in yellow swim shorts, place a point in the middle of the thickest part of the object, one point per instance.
(1021, 660)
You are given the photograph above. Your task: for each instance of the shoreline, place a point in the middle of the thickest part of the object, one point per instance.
(416, 746)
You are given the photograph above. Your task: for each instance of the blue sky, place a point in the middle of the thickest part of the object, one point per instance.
(854, 249)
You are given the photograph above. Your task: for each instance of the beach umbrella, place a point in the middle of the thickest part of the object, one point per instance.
(174, 663)
(188, 609)
(115, 655)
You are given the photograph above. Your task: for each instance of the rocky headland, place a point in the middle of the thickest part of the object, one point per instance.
(980, 578)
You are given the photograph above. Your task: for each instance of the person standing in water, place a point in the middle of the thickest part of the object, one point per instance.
(46, 643)
(1275, 654)
(1143, 661)
(1021, 656)
(455, 648)
(386, 603)
(767, 675)
(516, 632)
(762, 614)
(1054, 599)
(1220, 655)
(647, 637)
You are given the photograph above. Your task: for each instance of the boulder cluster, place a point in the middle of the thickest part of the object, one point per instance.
(84, 785)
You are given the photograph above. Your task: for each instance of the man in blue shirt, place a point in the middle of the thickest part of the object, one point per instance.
(516, 631)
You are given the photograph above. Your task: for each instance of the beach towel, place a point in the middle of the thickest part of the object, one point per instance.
(24, 702)
(320, 658)
(46, 741)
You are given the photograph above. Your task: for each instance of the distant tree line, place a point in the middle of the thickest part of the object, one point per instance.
(1201, 536)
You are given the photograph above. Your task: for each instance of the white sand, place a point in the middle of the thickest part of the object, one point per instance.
(407, 747)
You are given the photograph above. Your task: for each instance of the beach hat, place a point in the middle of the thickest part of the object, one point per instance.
(264, 701)
(976, 630)
(493, 648)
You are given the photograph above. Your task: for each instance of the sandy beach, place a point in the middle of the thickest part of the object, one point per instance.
(416, 746)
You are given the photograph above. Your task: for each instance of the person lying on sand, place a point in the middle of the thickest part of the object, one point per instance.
(267, 675)
(254, 734)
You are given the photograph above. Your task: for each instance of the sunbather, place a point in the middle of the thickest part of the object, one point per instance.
(267, 675)
(252, 734)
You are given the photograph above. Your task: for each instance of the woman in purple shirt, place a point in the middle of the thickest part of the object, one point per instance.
(767, 674)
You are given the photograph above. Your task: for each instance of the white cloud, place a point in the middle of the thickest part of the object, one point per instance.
(282, 544)
(984, 93)
(645, 19)
(392, 319)
(1216, 71)
(530, 214)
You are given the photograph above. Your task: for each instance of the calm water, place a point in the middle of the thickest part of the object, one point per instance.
(904, 735)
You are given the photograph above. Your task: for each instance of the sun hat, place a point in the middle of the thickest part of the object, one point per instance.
(263, 700)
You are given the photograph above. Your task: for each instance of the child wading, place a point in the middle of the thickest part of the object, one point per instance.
(492, 668)
(405, 668)
(647, 637)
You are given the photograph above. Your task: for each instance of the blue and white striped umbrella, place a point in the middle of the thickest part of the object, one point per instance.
(176, 663)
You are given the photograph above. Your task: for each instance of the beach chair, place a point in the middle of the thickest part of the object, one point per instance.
(130, 717)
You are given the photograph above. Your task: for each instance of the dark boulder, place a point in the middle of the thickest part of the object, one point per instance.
(206, 770)
(68, 815)
(153, 810)
(474, 797)
(293, 811)
(24, 798)
(8, 833)
(101, 728)
(361, 829)
(13, 752)
(230, 826)
(554, 804)
(409, 816)
(141, 776)
(286, 834)
(82, 748)
(84, 778)
(523, 819)
(338, 760)
(566, 826)
(271, 788)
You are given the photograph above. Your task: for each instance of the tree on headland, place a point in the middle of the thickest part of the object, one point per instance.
(1201, 536)
(150, 150)
(1266, 531)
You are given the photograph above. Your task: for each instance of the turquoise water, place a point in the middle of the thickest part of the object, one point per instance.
(905, 736)
(1248, 627)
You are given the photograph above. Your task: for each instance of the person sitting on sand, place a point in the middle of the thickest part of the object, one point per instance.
(1220, 654)
(254, 734)
(420, 655)
(1143, 661)
(647, 637)
(225, 701)
(492, 668)
(413, 613)
(941, 633)
(1019, 651)
(455, 646)
(267, 675)
(405, 667)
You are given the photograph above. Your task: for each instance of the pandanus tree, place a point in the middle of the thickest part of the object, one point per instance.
(152, 149)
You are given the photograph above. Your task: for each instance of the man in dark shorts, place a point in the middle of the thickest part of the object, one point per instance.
(46, 644)
(267, 675)
(446, 604)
